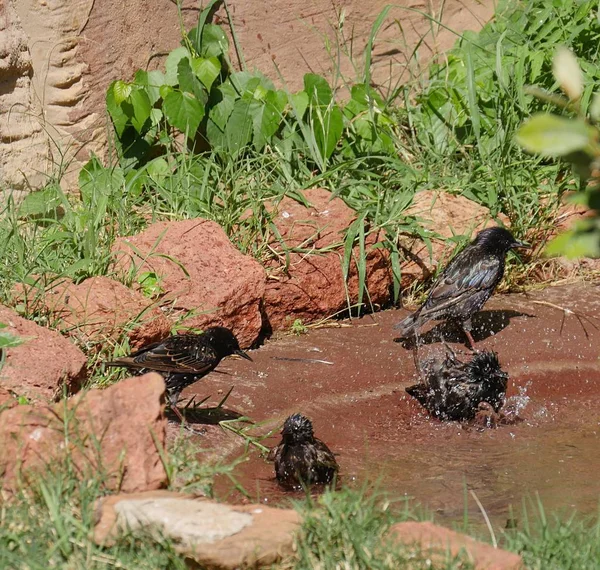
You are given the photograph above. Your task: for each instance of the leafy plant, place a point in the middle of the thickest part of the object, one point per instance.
(577, 139)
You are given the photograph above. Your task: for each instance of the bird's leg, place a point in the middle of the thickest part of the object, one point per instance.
(470, 340)
(466, 327)
(173, 398)
(176, 411)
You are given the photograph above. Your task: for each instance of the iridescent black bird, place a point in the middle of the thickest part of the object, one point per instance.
(301, 458)
(466, 284)
(183, 359)
(454, 390)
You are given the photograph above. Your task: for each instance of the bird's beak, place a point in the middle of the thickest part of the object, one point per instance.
(522, 244)
(243, 355)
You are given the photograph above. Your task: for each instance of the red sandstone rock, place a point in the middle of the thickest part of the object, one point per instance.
(437, 542)
(7, 400)
(447, 215)
(215, 535)
(100, 308)
(44, 364)
(201, 271)
(116, 430)
(312, 285)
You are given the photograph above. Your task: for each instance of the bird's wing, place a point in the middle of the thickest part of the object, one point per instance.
(461, 279)
(325, 456)
(180, 353)
(274, 452)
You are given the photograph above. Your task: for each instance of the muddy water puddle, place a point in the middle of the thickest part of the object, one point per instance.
(350, 381)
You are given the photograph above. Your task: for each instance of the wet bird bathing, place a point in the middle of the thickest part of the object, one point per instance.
(351, 382)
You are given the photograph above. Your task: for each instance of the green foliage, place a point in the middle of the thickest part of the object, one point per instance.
(49, 520)
(465, 119)
(233, 112)
(560, 543)
(576, 139)
(298, 327)
(475, 96)
(53, 234)
(347, 529)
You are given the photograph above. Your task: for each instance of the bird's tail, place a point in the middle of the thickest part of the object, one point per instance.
(409, 325)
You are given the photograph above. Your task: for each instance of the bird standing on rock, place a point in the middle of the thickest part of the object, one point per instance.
(183, 359)
(455, 390)
(466, 284)
(301, 458)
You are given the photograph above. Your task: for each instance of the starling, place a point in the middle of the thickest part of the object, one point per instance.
(183, 359)
(301, 458)
(455, 390)
(466, 284)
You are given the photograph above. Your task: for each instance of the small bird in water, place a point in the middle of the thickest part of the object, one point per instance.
(183, 359)
(301, 458)
(455, 390)
(466, 284)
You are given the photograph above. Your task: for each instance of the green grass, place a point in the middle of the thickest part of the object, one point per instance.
(450, 128)
(349, 529)
(48, 523)
(555, 543)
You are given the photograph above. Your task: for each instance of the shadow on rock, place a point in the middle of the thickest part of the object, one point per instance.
(485, 324)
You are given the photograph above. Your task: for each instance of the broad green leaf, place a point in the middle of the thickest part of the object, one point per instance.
(209, 41)
(247, 83)
(135, 180)
(158, 169)
(141, 108)
(266, 117)
(40, 203)
(183, 111)
(156, 116)
(318, 90)
(151, 81)
(189, 83)
(219, 115)
(205, 13)
(260, 93)
(119, 118)
(97, 181)
(328, 125)
(165, 90)
(551, 135)
(239, 126)
(300, 103)
(206, 70)
(171, 64)
(121, 91)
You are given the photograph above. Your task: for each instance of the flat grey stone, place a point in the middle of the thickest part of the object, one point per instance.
(186, 521)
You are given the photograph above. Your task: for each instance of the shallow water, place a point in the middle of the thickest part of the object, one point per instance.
(350, 381)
